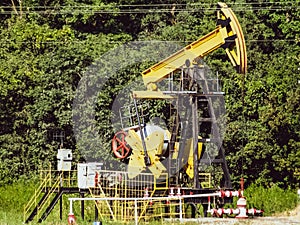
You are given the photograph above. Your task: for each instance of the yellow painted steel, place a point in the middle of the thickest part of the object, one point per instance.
(136, 163)
(118, 184)
(236, 50)
(239, 55)
(161, 209)
(154, 144)
(55, 184)
(199, 48)
(228, 35)
(205, 180)
(190, 163)
(151, 95)
(103, 204)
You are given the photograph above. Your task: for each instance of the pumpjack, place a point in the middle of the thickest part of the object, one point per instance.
(185, 153)
(182, 80)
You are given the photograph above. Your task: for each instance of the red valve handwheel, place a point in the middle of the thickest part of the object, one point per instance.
(119, 145)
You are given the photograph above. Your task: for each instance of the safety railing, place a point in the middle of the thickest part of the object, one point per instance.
(50, 182)
(41, 196)
(33, 202)
(54, 188)
(112, 184)
(171, 207)
(102, 208)
(205, 180)
(68, 178)
(128, 115)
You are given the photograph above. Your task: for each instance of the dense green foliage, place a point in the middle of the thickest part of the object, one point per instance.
(46, 46)
(271, 200)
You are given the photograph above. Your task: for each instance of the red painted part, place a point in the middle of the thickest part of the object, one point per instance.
(222, 193)
(242, 215)
(178, 191)
(221, 211)
(242, 183)
(215, 212)
(228, 194)
(96, 179)
(146, 194)
(71, 219)
(240, 194)
(254, 211)
(241, 202)
(171, 193)
(119, 145)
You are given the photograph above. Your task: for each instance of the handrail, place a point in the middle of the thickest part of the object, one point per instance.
(67, 181)
(33, 200)
(107, 203)
(51, 191)
(146, 204)
(155, 188)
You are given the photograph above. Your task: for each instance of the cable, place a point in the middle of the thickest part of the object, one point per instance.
(148, 9)
(114, 42)
(125, 12)
(163, 4)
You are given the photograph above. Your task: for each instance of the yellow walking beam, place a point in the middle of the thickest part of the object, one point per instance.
(228, 35)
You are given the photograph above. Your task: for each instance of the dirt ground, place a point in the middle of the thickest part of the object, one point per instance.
(286, 218)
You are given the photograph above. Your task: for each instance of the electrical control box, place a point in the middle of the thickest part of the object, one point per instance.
(86, 174)
(64, 159)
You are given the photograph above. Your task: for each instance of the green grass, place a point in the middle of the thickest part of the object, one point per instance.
(271, 200)
(13, 198)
